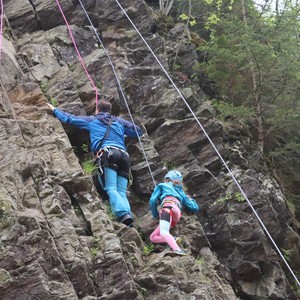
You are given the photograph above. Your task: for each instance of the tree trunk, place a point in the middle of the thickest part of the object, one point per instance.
(165, 6)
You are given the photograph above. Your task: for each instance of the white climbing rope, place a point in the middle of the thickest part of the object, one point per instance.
(120, 88)
(211, 142)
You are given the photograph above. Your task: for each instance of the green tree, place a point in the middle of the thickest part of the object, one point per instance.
(254, 61)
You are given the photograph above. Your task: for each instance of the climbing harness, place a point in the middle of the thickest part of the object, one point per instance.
(77, 51)
(166, 210)
(100, 165)
(100, 172)
(101, 161)
(112, 147)
(213, 145)
(102, 157)
(1, 26)
(171, 199)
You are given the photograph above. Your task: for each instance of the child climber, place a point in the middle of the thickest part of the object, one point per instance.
(172, 198)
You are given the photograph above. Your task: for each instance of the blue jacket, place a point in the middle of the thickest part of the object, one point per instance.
(165, 189)
(97, 125)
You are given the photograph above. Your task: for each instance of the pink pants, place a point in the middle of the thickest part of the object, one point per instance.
(162, 233)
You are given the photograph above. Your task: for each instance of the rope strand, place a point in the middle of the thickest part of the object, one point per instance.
(214, 147)
(77, 51)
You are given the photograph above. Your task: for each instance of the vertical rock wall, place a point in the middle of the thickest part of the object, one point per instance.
(58, 240)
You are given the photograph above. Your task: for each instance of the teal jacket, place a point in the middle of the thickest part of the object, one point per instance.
(165, 189)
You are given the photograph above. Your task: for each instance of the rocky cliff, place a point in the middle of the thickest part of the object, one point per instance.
(58, 238)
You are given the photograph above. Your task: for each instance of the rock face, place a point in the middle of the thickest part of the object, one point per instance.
(58, 240)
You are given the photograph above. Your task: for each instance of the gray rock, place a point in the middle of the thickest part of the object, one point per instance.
(58, 240)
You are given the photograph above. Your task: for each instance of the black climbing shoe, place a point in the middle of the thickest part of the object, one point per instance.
(127, 220)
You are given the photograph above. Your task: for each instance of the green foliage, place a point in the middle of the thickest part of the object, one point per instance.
(133, 259)
(176, 67)
(85, 148)
(212, 20)
(77, 208)
(148, 249)
(296, 288)
(96, 246)
(288, 151)
(191, 20)
(43, 85)
(94, 251)
(169, 165)
(238, 197)
(227, 111)
(164, 23)
(287, 254)
(285, 161)
(54, 101)
(204, 279)
(68, 269)
(254, 58)
(184, 17)
(110, 213)
(89, 167)
(99, 85)
(71, 67)
(200, 260)
(235, 43)
(144, 291)
(222, 199)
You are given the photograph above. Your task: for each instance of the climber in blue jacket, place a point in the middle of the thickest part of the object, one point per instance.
(171, 197)
(107, 137)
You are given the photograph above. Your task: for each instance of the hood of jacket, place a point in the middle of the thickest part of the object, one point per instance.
(104, 117)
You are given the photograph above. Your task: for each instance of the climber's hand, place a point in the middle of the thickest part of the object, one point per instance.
(50, 106)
